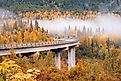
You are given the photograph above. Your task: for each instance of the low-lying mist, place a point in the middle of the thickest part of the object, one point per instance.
(110, 23)
(5, 14)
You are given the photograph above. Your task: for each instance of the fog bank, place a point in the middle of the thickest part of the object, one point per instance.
(111, 24)
(5, 14)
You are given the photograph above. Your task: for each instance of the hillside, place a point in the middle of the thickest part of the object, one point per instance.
(80, 5)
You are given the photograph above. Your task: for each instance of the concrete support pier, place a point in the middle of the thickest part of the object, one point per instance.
(58, 59)
(71, 58)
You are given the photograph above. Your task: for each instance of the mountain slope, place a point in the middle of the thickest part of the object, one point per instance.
(22, 5)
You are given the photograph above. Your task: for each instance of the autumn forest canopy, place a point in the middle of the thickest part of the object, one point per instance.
(97, 56)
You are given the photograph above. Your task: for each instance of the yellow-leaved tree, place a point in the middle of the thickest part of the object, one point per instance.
(26, 36)
(19, 37)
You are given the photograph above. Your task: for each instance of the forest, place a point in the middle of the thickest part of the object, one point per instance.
(98, 56)
(75, 5)
(17, 32)
(97, 59)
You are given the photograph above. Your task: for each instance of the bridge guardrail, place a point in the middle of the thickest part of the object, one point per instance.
(8, 46)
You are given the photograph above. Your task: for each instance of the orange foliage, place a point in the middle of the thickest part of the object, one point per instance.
(19, 37)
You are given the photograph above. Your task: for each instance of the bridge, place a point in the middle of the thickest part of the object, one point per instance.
(58, 47)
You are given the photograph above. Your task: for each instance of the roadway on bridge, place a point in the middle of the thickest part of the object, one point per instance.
(35, 47)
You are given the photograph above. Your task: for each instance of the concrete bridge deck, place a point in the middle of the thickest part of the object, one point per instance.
(34, 47)
(58, 46)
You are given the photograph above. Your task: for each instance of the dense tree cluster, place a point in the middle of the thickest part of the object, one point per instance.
(55, 14)
(15, 32)
(80, 5)
(104, 51)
